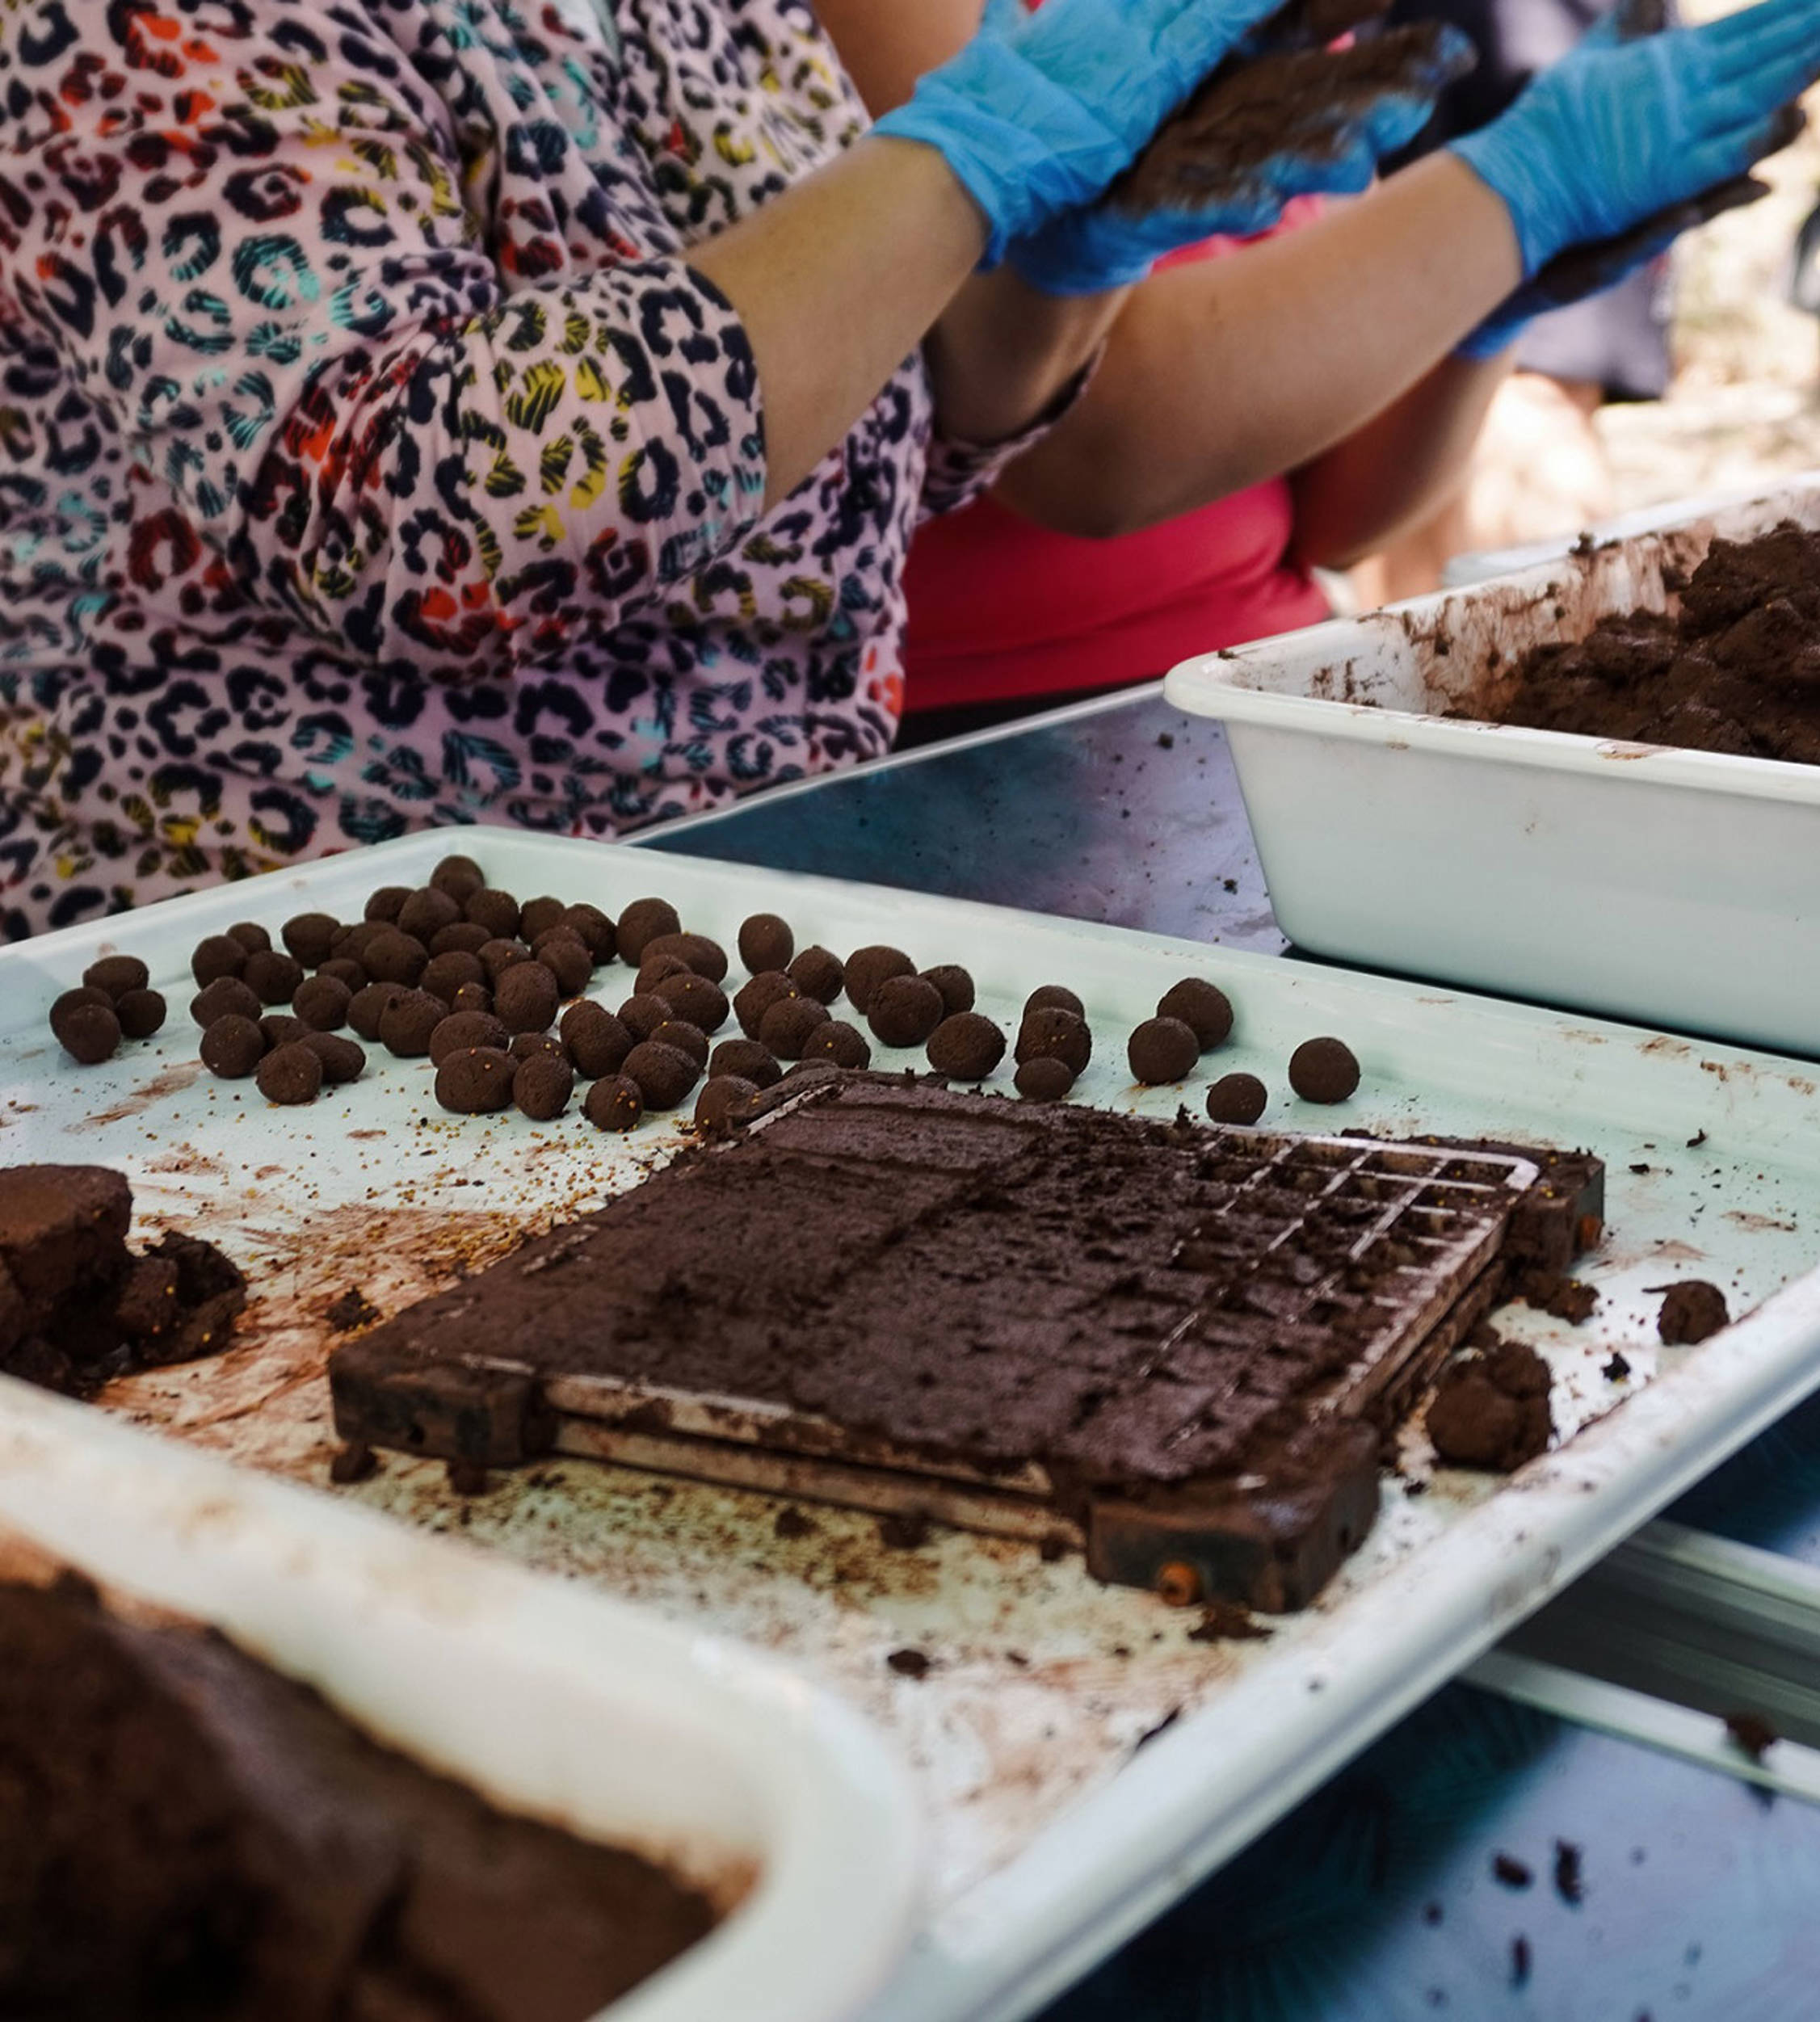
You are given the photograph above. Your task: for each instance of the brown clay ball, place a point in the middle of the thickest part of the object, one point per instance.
(275, 978)
(904, 1011)
(642, 922)
(1206, 1011)
(89, 1033)
(562, 954)
(766, 942)
(721, 1099)
(73, 1000)
(217, 955)
(310, 937)
(1044, 1079)
(322, 1003)
(843, 1043)
(525, 997)
(406, 1024)
(353, 942)
(497, 956)
(664, 1074)
(643, 1012)
(685, 1037)
(141, 1012)
(424, 913)
(384, 903)
(703, 1004)
(367, 1006)
(538, 916)
(868, 967)
(471, 997)
(526, 1044)
(216, 999)
(1323, 1070)
(1236, 1098)
(280, 1029)
(345, 970)
(117, 974)
(1162, 1049)
(496, 911)
(748, 1060)
(392, 957)
(956, 986)
(477, 1081)
(1052, 1033)
(818, 973)
(542, 1085)
(233, 1047)
(444, 974)
(615, 1101)
(597, 1042)
(290, 1074)
(784, 1030)
(966, 1047)
(1693, 1311)
(655, 968)
(705, 958)
(250, 936)
(460, 876)
(768, 987)
(462, 1032)
(461, 937)
(342, 1060)
(1054, 997)
(594, 928)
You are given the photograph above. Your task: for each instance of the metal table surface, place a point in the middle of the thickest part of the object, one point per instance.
(1377, 1899)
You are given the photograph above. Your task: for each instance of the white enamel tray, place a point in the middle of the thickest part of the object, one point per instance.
(1052, 1837)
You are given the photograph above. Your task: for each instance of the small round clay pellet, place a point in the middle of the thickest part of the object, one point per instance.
(1044, 1079)
(1053, 1032)
(705, 958)
(345, 970)
(615, 1103)
(784, 1029)
(818, 973)
(280, 1029)
(89, 1033)
(233, 1047)
(643, 921)
(386, 903)
(685, 1037)
(444, 974)
(471, 997)
(322, 1003)
(1162, 1050)
(966, 1047)
(1236, 1098)
(343, 1059)
(310, 937)
(460, 876)
(655, 968)
(753, 999)
(664, 1074)
(564, 955)
(1206, 1011)
(643, 1011)
(407, 1022)
(477, 1081)
(868, 967)
(721, 1098)
(1323, 1070)
(216, 999)
(527, 1045)
(217, 955)
(595, 1041)
(904, 1011)
(462, 1031)
(525, 997)
(368, 1007)
(460, 937)
(766, 942)
(392, 957)
(117, 974)
(73, 1000)
(276, 976)
(748, 1060)
(251, 936)
(693, 997)
(538, 916)
(956, 986)
(594, 928)
(495, 910)
(542, 1085)
(290, 1074)
(141, 1012)
(499, 955)
(353, 942)
(1054, 997)
(837, 1040)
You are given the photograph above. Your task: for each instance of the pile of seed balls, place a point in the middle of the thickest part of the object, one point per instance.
(466, 974)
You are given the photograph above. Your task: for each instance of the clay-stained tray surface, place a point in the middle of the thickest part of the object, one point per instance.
(1052, 1833)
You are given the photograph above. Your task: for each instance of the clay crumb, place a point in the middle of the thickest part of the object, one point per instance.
(1568, 1884)
(1224, 1621)
(903, 1531)
(467, 1478)
(1520, 1961)
(353, 1462)
(909, 1663)
(1643, 1165)
(1054, 1546)
(352, 1309)
(1615, 1370)
(1161, 1727)
(1431, 1913)
(1165, 741)
(1696, 1141)
(1692, 1311)
(1751, 1732)
(1514, 1873)
(1565, 1298)
(792, 1522)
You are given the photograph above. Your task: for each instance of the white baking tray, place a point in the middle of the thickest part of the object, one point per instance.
(1051, 1838)
(548, 1699)
(1676, 888)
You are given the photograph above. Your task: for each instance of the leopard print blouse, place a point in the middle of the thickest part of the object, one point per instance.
(370, 455)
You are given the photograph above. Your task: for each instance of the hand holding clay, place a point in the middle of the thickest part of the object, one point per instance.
(1622, 131)
(1040, 112)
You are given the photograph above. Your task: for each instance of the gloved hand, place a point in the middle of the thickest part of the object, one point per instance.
(1038, 116)
(1258, 133)
(1622, 130)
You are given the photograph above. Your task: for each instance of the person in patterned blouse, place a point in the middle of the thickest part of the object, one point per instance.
(429, 411)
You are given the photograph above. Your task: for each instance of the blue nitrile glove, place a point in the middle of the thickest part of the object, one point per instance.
(1039, 115)
(1331, 140)
(1621, 130)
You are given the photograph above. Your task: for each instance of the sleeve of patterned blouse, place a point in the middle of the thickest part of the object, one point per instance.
(419, 366)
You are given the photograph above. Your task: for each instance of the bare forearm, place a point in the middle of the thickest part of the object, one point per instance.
(1221, 375)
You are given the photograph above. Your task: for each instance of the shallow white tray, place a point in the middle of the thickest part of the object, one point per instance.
(548, 1699)
(1676, 888)
(1051, 1837)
